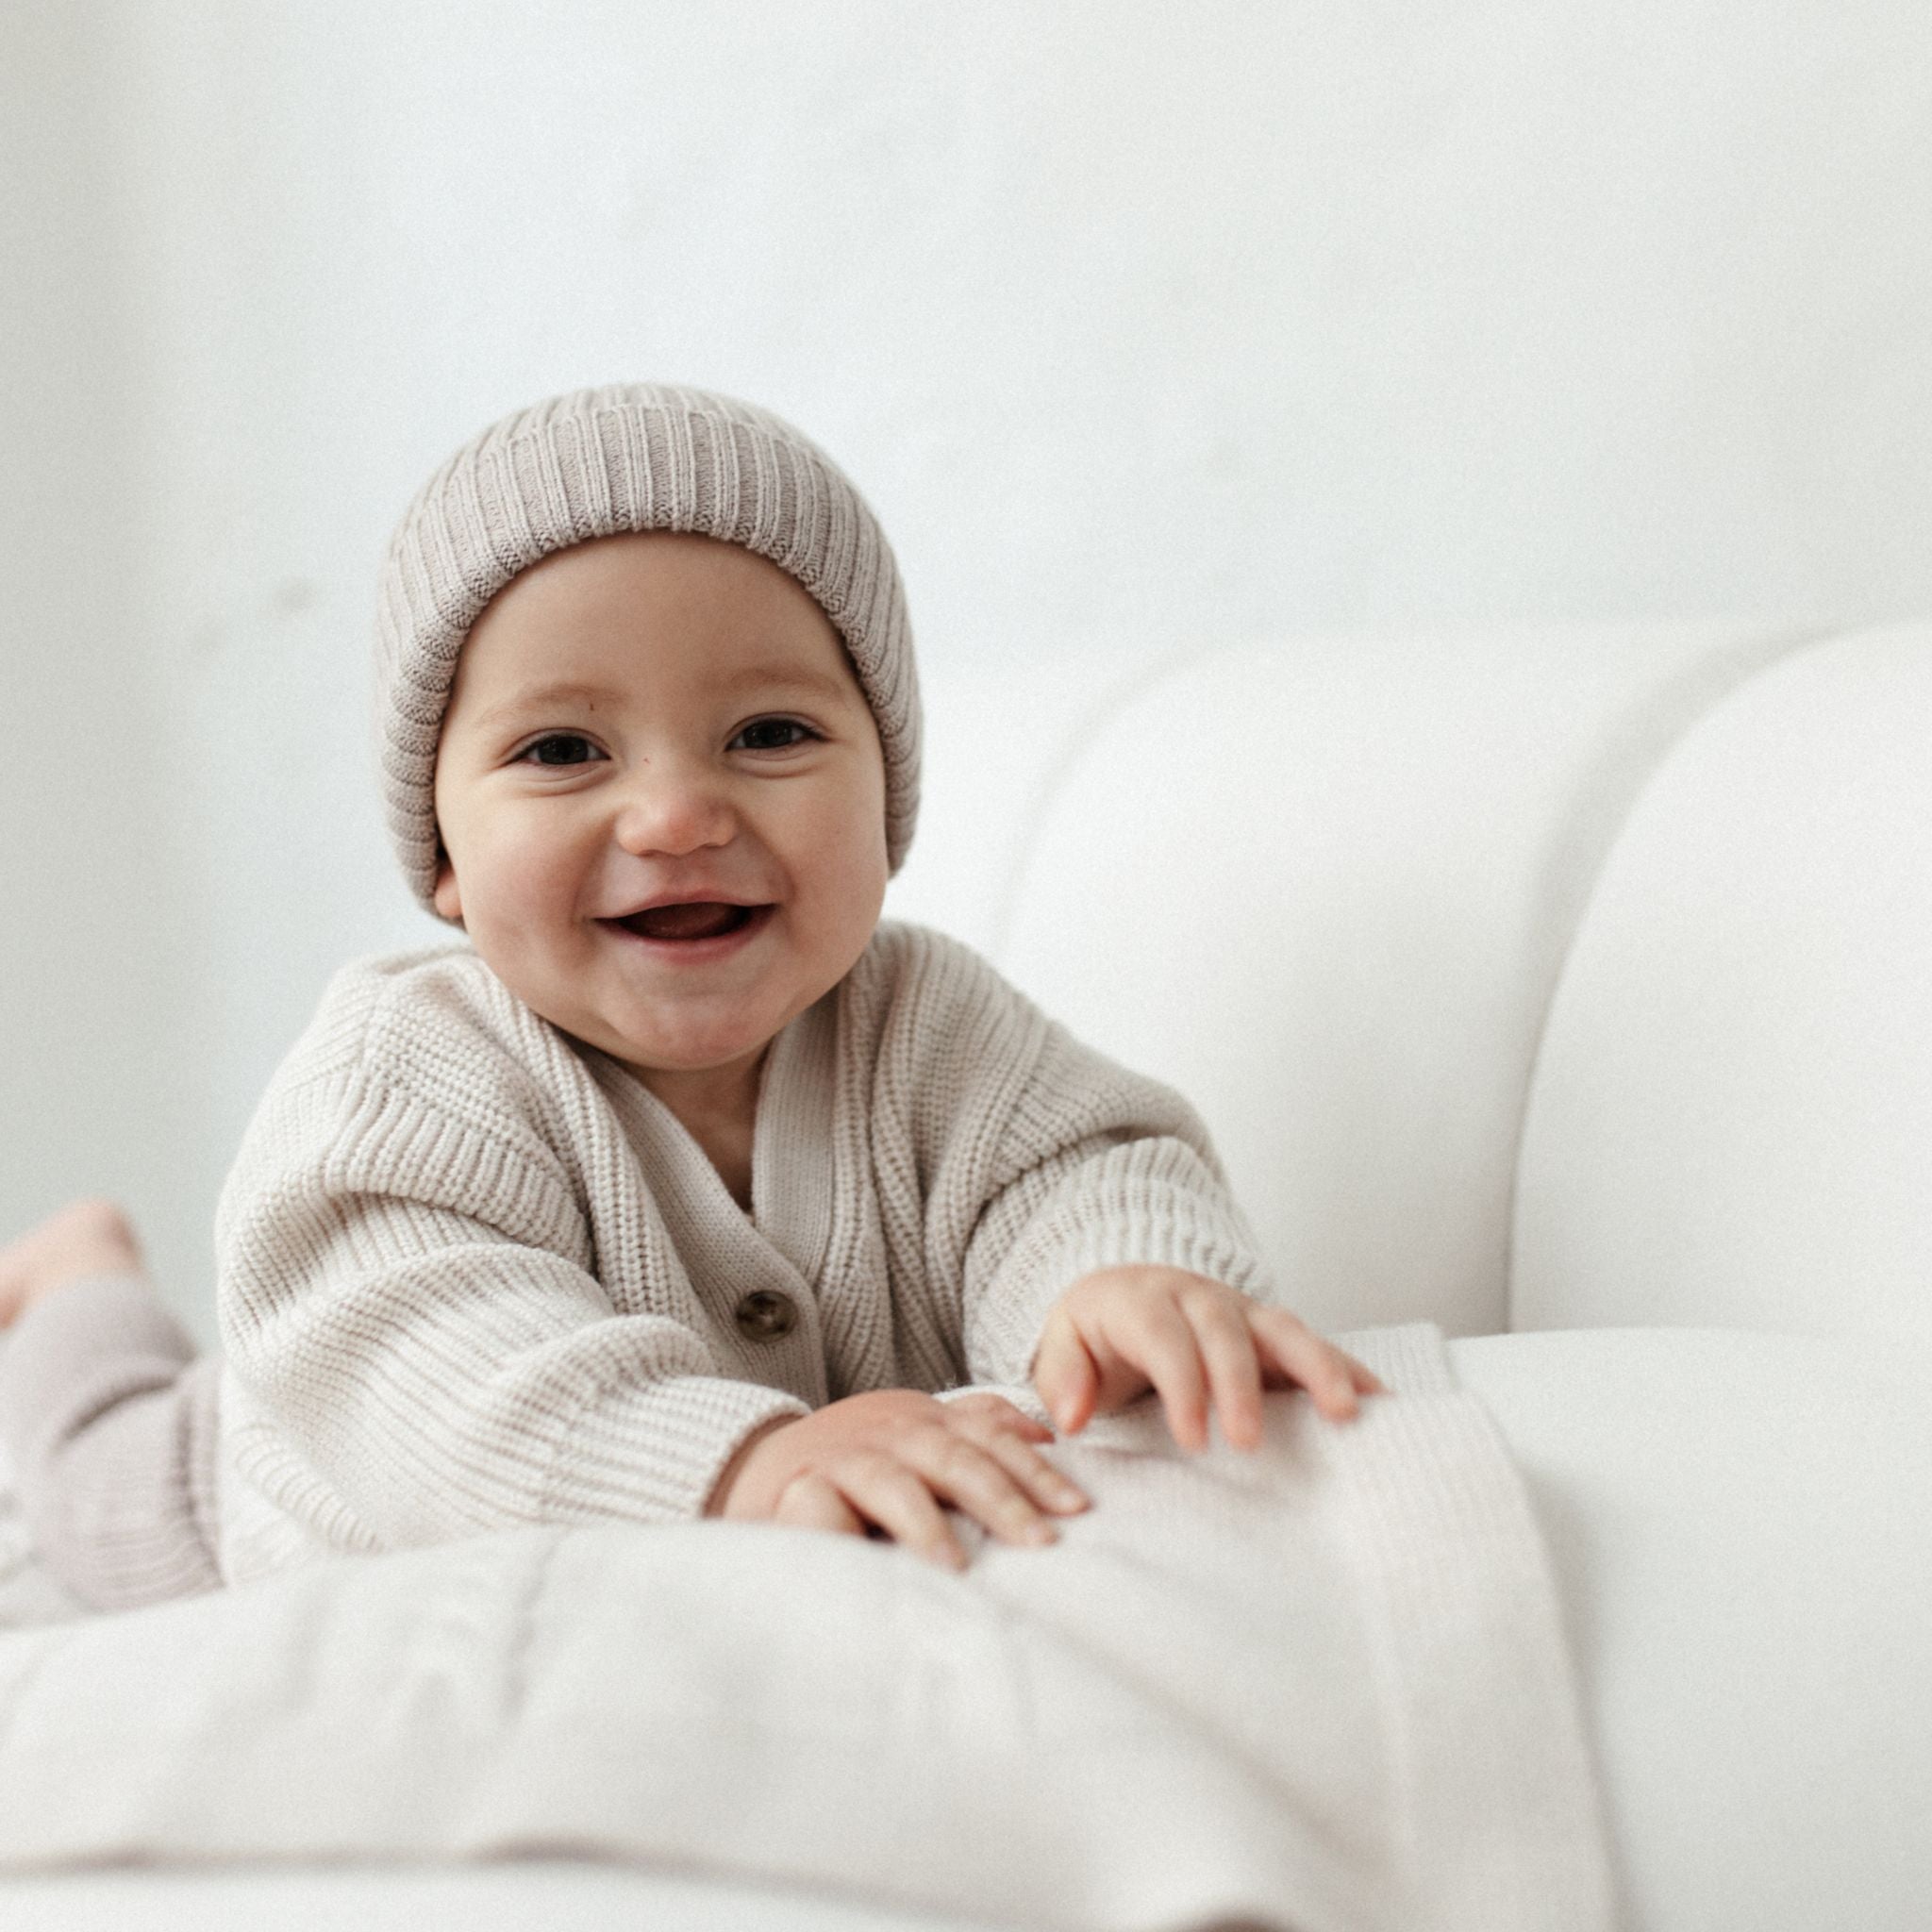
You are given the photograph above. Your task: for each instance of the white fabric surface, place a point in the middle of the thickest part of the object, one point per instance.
(1732, 1115)
(28, 1594)
(1321, 1687)
(520, 1896)
(1741, 1529)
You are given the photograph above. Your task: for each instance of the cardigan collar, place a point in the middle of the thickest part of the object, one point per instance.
(793, 1169)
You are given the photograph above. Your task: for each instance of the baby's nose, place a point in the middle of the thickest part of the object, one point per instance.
(673, 806)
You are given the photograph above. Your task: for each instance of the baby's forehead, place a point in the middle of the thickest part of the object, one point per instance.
(622, 664)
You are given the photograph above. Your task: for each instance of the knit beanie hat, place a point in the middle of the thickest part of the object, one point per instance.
(595, 463)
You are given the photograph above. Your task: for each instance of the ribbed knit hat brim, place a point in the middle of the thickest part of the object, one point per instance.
(597, 462)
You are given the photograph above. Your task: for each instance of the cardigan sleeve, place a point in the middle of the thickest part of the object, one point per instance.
(1059, 1161)
(1100, 1167)
(405, 1293)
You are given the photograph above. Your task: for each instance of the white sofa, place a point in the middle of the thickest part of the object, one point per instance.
(1573, 990)
(1567, 990)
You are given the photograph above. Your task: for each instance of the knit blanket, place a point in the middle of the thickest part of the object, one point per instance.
(1321, 1686)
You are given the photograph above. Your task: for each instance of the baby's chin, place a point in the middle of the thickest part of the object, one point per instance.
(720, 1035)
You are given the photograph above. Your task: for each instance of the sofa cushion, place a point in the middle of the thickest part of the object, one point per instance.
(1323, 887)
(1731, 1119)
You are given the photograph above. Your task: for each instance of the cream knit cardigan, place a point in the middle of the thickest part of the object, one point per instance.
(472, 1274)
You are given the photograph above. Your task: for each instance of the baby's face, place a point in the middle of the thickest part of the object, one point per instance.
(714, 747)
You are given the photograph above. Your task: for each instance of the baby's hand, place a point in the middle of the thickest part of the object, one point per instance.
(890, 1459)
(1118, 1332)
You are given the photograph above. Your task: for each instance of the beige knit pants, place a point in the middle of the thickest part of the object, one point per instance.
(108, 1414)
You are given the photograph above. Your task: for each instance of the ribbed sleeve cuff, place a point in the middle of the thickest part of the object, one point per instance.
(656, 1454)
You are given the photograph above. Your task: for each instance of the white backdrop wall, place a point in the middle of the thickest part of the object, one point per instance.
(1138, 324)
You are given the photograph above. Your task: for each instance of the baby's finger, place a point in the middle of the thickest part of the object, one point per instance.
(1065, 1375)
(1047, 1486)
(886, 1491)
(1234, 1368)
(1166, 1353)
(1307, 1359)
(1364, 1377)
(972, 1480)
(809, 1502)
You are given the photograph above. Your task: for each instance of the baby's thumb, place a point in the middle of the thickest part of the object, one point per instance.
(1065, 1378)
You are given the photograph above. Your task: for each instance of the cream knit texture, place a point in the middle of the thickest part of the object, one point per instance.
(472, 1274)
(109, 1420)
(595, 463)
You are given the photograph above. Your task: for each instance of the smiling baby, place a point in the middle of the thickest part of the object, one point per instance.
(680, 1183)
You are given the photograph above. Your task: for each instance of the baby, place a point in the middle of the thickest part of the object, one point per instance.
(682, 1185)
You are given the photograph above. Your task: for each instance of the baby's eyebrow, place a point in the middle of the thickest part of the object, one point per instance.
(542, 694)
(800, 676)
(755, 677)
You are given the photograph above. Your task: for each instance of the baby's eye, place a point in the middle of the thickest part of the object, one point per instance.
(539, 750)
(761, 725)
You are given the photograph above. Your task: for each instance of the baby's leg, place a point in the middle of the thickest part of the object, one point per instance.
(106, 1413)
(81, 1239)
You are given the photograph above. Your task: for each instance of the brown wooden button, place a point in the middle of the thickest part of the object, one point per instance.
(765, 1314)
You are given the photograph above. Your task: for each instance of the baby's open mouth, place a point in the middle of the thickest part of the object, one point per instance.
(705, 919)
